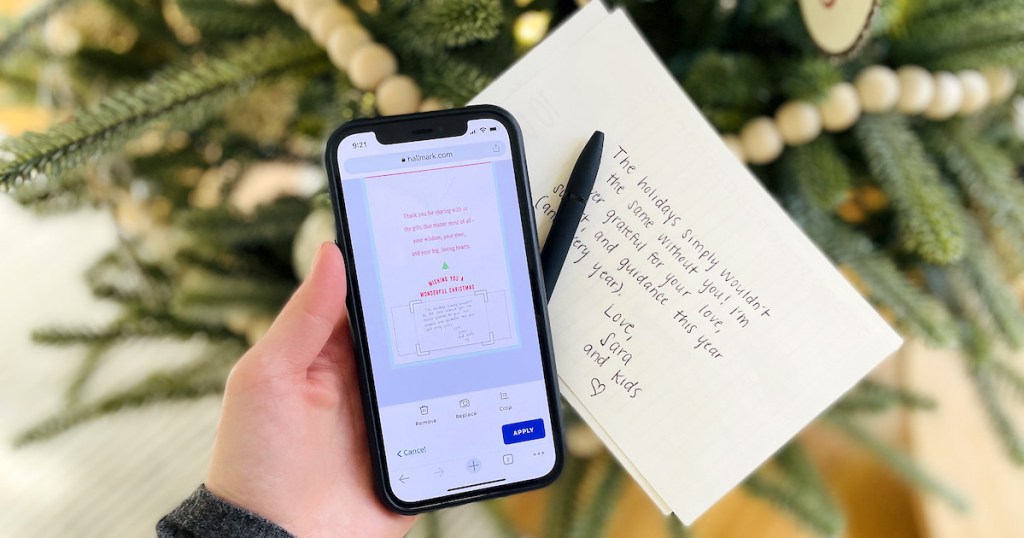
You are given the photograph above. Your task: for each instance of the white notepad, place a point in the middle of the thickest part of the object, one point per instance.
(696, 328)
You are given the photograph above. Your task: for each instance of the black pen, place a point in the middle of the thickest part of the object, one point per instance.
(570, 211)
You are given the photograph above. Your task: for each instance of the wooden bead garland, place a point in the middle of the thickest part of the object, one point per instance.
(370, 66)
(876, 89)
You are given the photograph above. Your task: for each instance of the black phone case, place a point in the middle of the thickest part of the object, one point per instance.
(415, 124)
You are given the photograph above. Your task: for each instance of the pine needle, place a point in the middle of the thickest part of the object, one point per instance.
(1011, 377)
(820, 171)
(930, 216)
(562, 505)
(201, 377)
(986, 175)
(887, 285)
(592, 519)
(987, 282)
(14, 38)
(233, 18)
(874, 397)
(1001, 421)
(455, 23)
(183, 94)
(898, 462)
(935, 34)
(90, 363)
(798, 489)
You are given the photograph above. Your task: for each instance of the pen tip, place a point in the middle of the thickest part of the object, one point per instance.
(596, 139)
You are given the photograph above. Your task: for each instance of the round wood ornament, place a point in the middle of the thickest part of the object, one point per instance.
(838, 27)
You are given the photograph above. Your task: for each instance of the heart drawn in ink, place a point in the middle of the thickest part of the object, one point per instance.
(597, 386)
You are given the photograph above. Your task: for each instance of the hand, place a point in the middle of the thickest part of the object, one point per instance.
(291, 443)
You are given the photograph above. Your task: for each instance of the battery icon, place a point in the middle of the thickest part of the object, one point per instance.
(493, 128)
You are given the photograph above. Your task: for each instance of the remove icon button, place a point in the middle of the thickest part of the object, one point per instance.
(518, 432)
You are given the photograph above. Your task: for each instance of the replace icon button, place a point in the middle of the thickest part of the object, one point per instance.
(518, 432)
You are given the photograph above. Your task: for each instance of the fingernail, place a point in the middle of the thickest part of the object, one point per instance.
(316, 257)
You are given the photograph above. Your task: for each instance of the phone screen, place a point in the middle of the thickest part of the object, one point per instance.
(436, 233)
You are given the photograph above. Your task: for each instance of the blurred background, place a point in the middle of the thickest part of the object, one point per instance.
(163, 194)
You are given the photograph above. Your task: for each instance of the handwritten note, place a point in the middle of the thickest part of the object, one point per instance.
(696, 328)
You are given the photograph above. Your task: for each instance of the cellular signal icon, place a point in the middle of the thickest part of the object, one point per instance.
(473, 131)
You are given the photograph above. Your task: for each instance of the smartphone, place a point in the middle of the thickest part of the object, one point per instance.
(447, 306)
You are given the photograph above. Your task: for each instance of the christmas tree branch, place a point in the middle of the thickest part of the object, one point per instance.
(897, 461)
(797, 488)
(930, 217)
(180, 93)
(934, 34)
(1012, 378)
(203, 376)
(15, 37)
(886, 284)
(592, 519)
(562, 505)
(453, 23)
(986, 281)
(874, 397)
(1001, 421)
(986, 175)
(820, 171)
(90, 363)
(232, 18)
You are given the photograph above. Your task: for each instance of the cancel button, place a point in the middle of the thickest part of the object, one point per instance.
(406, 452)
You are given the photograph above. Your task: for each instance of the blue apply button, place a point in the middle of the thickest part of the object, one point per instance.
(528, 430)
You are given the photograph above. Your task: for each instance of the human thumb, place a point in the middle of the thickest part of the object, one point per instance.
(307, 321)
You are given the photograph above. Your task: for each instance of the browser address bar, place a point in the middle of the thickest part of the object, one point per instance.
(424, 157)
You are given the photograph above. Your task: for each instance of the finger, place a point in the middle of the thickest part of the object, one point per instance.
(310, 317)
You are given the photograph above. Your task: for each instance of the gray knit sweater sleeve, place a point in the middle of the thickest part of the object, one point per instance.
(204, 514)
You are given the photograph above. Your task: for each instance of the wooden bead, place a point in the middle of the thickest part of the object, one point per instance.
(878, 88)
(917, 89)
(370, 64)
(840, 109)
(761, 140)
(431, 104)
(976, 92)
(949, 94)
(326, 19)
(799, 122)
(735, 146)
(343, 41)
(398, 94)
(303, 11)
(1001, 81)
